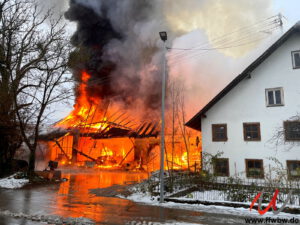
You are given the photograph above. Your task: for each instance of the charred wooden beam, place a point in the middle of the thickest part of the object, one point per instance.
(76, 135)
(113, 132)
(122, 114)
(123, 120)
(153, 129)
(126, 155)
(106, 106)
(145, 130)
(135, 133)
(61, 149)
(83, 154)
(131, 123)
(141, 128)
(109, 125)
(100, 132)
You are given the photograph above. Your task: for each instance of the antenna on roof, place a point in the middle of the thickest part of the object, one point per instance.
(280, 19)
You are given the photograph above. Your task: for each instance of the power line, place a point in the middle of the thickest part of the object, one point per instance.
(220, 41)
(223, 43)
(246, 30)
(227, 44)
(198, 54)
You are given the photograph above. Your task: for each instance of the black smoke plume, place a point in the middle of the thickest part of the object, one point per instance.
(110, 45)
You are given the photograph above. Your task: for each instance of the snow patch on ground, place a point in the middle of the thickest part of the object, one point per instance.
(244, 212)
(13, 183)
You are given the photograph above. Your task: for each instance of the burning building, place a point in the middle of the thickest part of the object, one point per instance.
(100, 135)
(116, 66)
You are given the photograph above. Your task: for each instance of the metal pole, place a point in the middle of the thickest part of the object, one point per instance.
(162, 145)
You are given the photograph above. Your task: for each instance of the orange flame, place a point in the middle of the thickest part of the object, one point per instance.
(83, 114)
(81, 107)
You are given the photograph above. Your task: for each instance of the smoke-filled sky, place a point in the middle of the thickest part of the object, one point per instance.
(129, 43)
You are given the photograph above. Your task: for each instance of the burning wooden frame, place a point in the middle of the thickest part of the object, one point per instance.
(95, 144)
(97, 134)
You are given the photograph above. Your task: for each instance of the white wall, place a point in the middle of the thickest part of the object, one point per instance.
(246, 103)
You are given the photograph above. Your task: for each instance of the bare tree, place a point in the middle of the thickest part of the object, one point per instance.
(33, 53)
(177, 120)
(174, 95)
(10, 138)
(181, 121)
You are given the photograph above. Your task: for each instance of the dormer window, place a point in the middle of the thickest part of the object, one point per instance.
(274, 97)
(296, 59)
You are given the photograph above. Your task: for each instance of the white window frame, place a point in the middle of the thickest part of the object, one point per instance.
(274, 97)
(293, 59)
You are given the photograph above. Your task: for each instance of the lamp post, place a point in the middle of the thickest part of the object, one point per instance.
(164, 37)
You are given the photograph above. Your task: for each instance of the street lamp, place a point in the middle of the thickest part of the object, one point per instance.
(164, 37)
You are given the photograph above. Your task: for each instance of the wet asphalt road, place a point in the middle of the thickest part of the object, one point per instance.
(73, 199)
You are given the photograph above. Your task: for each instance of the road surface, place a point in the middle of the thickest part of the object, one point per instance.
(74, 199)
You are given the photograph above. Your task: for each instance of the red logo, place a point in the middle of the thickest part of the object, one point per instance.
(272, 203)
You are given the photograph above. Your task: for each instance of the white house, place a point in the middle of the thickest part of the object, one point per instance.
(260, 103)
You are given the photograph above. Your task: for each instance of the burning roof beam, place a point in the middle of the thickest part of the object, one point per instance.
(154, 129)
(141, 128)
(131, 123)
(146, 129)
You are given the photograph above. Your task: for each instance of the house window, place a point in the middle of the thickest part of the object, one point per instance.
(251, 131)
(274, 97)
(254, 168)
(292, 130)
(219, 132)
(293, 168)
(221, 167)
(296, 59)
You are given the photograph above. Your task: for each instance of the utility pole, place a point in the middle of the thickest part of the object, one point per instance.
(164, 37)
